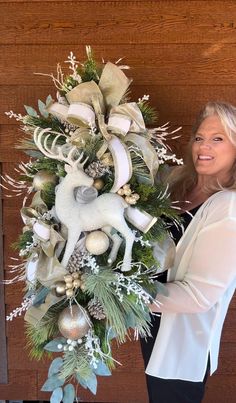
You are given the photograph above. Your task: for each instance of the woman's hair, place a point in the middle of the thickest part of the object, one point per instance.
(182, 179)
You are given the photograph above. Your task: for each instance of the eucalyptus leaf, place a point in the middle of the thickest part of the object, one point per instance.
(29, 293)
(144, 179)
(53, 344)
(40, 296)
(81, 381)
(56, 396)
(130, 320)
(49, 100)
(102, 369)
(31, 111)
(111, 334)
(55, 366)
(52, 383)
(69, 393)
(161, 289)
(34, 154)
(42, 109)
(92, 384)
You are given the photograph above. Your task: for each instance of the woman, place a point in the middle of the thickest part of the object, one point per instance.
(202, 281)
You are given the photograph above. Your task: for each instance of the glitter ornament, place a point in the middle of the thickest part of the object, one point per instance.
(42, 178)
(97, 242)
(73, 322)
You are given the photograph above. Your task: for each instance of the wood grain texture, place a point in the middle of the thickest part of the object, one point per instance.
(118, 22)
(3, 342)
(182, 53)
(22, 385)
(164, 64)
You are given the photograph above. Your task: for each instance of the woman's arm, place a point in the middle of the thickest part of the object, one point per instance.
(212, 268)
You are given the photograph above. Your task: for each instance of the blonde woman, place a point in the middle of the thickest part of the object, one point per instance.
(202, 281)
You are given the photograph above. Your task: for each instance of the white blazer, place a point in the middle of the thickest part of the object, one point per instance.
(202, 284)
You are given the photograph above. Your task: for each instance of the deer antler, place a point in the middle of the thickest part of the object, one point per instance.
(56, 151)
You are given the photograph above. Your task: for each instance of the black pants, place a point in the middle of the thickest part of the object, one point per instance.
(169, 390)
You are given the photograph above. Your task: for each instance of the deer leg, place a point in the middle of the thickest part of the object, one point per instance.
(126, 232)
(116, 242)
(73, 237)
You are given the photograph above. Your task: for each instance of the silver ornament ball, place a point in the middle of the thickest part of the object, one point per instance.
(73, 323)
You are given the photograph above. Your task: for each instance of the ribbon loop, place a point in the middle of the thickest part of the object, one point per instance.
(113, 84)
(88, 103)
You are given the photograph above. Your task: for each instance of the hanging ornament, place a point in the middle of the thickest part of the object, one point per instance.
(97, 242)
(42, 178)
(73, 322)
(98, 184)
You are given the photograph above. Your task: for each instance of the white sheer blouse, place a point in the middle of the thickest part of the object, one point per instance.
(202, 284)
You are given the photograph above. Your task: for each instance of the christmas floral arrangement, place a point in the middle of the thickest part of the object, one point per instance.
(94, 235)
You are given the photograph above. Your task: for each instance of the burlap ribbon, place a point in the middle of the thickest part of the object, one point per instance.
(48, 269)
(35, 313)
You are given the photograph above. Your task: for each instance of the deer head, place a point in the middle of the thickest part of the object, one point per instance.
(68, 154)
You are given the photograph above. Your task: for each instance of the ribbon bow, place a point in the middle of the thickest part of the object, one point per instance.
(90, 103)
(45, 266)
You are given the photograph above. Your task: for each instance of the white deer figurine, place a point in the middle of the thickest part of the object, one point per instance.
(104, 212)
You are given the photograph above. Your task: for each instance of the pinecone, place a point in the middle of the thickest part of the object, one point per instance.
(96, 169)
(74, 263)
(95, 309)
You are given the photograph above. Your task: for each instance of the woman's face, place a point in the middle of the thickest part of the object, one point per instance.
(212, 151)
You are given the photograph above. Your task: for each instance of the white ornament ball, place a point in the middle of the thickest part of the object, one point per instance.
(73, 323)
(97, 242)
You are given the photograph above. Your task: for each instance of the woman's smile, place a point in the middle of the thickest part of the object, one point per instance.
(213, 153)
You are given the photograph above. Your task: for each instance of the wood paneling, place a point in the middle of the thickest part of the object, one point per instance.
(181, 53)
(3, 344)
(165, 64)
(118, 22)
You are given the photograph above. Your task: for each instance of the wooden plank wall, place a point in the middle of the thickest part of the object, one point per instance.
(182, 53)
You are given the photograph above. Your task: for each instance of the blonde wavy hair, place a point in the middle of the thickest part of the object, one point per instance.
(182, 179)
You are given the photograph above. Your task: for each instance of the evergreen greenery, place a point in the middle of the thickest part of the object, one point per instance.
(23, 239)
(150, 115)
